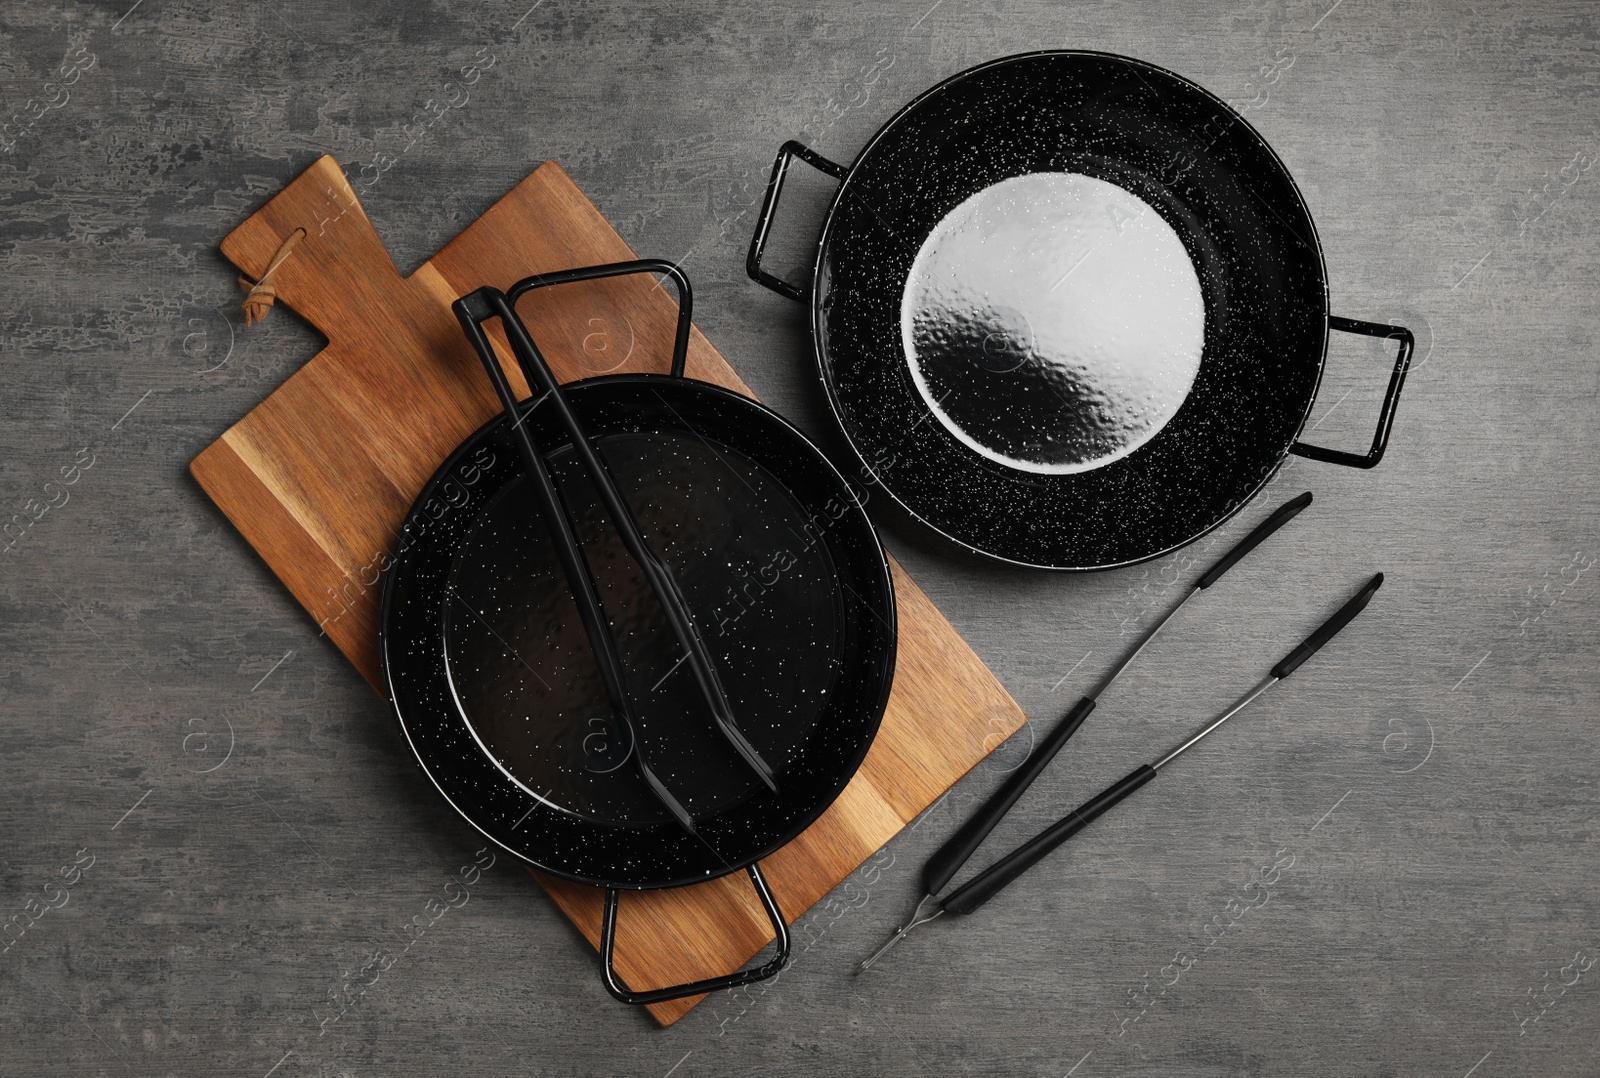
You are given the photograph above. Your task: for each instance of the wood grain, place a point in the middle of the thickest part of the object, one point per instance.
(320, 476)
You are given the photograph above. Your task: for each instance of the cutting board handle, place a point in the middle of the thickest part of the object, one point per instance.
(340, 272)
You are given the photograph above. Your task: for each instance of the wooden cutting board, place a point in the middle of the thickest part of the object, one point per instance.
(320, 475)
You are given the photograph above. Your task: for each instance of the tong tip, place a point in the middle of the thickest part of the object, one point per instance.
(866, 963)
(751, 756)
(900, 933)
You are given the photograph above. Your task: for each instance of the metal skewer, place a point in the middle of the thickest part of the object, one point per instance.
(946, 861)
(988, 883)
(917, 918)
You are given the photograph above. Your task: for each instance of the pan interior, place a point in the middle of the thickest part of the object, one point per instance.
(753, 571)
(1053, 322)
(729, 496)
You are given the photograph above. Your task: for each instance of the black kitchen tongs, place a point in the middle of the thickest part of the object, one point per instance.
(473, 310)
(947, 860)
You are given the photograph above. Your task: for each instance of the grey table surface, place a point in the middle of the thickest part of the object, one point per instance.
(1421, 798)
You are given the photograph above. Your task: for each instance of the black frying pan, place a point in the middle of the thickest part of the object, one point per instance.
(498, 690)
(1078, 303)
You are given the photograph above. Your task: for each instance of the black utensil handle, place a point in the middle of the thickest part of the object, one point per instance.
(758, 242)
(992, 880)
(614, 984)
(948, 859)
(1285, 513)
(1309, 646)
(1402, 364)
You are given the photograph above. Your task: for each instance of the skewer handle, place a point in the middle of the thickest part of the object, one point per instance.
(1281, 516)
(948, 859)
(992, 880)
(1291, 662)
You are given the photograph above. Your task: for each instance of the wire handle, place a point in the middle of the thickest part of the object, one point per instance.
(680, 281)
(615, 985)
(1391, 396)
(758, 243)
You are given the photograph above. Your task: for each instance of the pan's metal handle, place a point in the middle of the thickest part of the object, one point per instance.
(614, 985)
(680, 344)
(1380, 440)
(758, 242)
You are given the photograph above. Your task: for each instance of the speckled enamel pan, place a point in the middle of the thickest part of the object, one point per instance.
(1077, 304)
(526, 715)
(495, 684)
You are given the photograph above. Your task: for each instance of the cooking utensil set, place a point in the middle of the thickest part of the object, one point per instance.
(555, 637)
(946, 861)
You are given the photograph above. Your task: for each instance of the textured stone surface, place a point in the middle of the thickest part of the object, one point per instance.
(257, 830)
